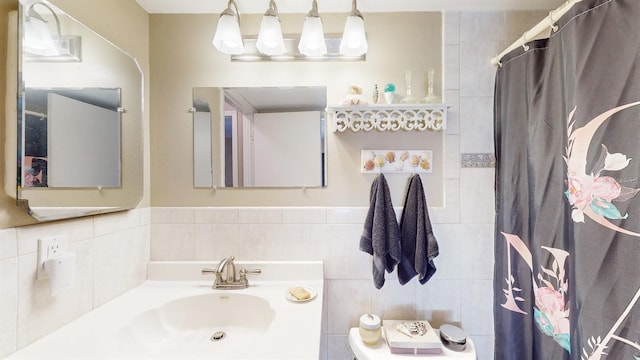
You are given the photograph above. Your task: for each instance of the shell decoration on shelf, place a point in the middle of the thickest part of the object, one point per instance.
(396, 161)
(354, 97)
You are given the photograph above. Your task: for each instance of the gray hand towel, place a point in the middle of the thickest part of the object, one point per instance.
(419, 245)
(381, 235)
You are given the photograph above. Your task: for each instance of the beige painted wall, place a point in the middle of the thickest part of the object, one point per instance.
(182, 57)
(122, 22)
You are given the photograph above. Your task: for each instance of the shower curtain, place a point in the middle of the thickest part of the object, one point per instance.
(567, 142)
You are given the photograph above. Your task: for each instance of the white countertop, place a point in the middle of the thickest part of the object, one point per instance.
(105, 333)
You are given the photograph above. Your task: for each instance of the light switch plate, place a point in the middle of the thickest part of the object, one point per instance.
(50, 247)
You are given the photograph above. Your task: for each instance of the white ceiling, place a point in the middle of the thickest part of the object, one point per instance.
(303, 6)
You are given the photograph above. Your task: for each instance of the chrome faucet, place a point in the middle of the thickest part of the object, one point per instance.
(227, 267)
(226, 275)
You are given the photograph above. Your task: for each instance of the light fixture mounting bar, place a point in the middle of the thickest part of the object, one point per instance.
(252, 54)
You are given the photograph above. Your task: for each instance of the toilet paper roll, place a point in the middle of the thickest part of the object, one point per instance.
(62, 271)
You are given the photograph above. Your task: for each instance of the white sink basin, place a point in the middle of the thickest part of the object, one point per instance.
(200, 316)
(226, 318)
(220, 310)
(171, 316)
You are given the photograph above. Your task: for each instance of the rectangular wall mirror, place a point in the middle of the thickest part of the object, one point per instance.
(259, 137)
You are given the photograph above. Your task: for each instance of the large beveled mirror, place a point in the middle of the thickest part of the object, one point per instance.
(79, 128)
(259, 137)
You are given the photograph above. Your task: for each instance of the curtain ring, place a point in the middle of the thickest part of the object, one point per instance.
(552, 25)
(524, 41)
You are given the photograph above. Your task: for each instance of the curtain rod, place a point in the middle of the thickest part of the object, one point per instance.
(35, 113)
(545, 24)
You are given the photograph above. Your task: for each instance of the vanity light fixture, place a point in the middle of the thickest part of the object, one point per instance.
(228, 39)
(312, 42)
(270, 41)
(354, 40)
(37, 37)
(271, 45)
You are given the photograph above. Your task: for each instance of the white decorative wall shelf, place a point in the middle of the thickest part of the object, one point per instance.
(409, 117)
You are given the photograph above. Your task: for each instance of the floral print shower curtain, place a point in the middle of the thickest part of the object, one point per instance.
(567, 142)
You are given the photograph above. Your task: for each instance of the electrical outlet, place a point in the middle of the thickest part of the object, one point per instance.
(48, 248)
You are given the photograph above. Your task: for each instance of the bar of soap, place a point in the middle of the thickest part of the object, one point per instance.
(299, 293)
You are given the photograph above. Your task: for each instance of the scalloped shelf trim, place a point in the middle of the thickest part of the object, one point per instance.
(408, 117)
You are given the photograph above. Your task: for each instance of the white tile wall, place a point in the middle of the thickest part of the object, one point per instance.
(481, 27)
(476, 120)
(440, 302)
(452, 97)
(481, 36)
(38, 312)
(477, 195)
(452, 156)
(8, 305)
(120, 262)
(112, 253)
(452, 67)
(451, 28)
(8, 244)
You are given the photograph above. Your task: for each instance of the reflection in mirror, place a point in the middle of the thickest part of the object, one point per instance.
(79, 127)
(259, 137)
(59, 122)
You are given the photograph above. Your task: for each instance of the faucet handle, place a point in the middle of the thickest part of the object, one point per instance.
(207, 271)
(244, 272)
(243, 275)
(250, 271)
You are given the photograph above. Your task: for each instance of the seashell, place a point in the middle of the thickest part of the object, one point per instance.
(404, 155)
(398, 164)
(369, 165)
(355, 90)
(425, 164)
(369, 155)
(414, 160)
(379, 160)
(390, 156)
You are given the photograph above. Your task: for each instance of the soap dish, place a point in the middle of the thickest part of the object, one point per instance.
(453, 337)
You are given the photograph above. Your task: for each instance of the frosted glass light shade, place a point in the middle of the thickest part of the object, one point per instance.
(270, 40)
(38, 39)
(228, 39)
(312, 39)
(354, 41)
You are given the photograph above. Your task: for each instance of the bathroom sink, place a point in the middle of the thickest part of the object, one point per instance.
(202, 318)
